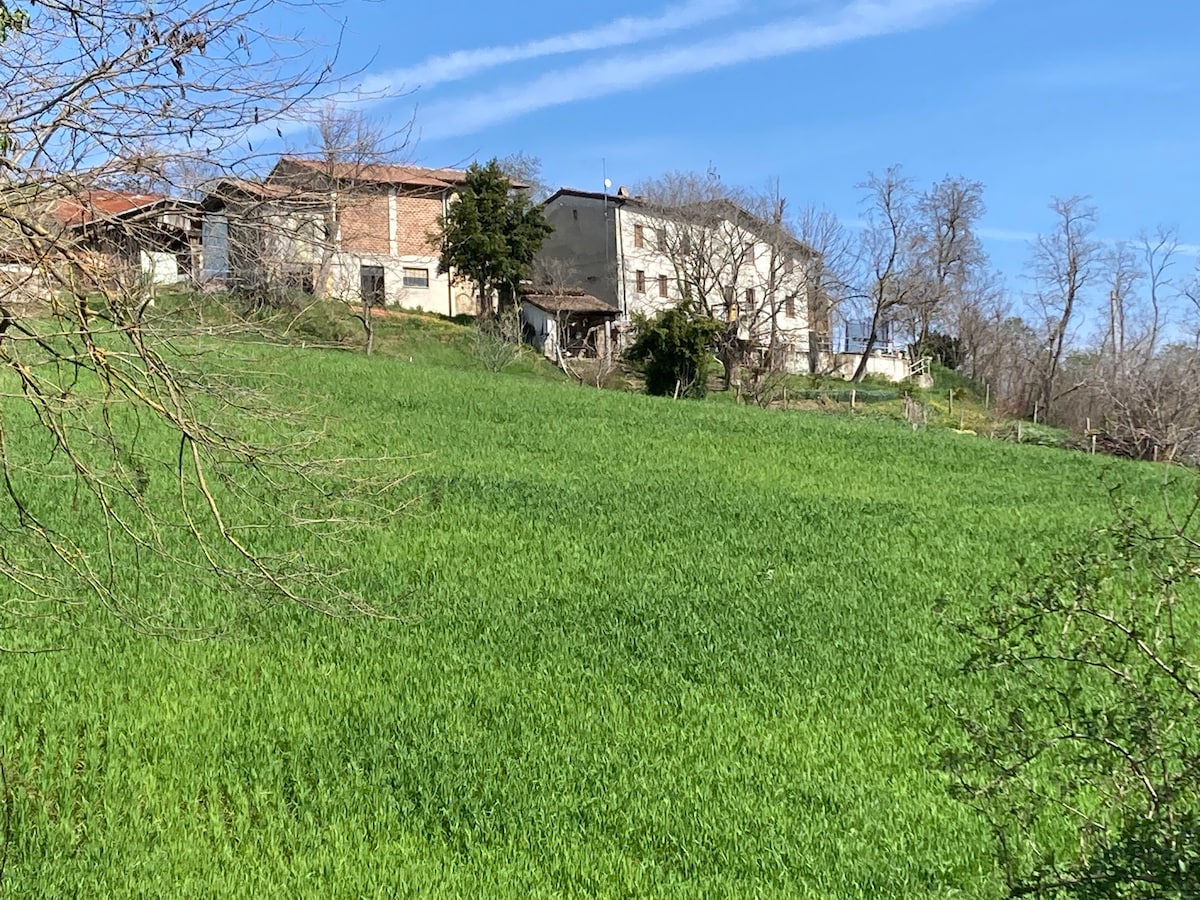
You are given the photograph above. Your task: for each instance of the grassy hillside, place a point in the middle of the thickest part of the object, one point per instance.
(646, 649)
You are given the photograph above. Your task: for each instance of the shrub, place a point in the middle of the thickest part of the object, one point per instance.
(674, 352)
(1079, 743)
(496, 342)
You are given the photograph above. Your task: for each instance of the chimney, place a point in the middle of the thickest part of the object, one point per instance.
(622, 191)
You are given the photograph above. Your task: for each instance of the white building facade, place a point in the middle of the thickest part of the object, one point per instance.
(643, 259)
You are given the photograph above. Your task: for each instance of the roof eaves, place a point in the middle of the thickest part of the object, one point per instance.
(615, 199)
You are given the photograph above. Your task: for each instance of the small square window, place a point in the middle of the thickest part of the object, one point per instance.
(640, 278)
(416, 278)
(639, 236)
(660, 239)
(662, 285)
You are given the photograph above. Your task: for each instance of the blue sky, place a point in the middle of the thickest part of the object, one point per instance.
(1034, 98)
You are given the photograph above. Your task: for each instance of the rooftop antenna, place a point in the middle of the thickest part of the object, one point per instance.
(607, 185)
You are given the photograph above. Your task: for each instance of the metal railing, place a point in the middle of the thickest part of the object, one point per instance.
(920, 367)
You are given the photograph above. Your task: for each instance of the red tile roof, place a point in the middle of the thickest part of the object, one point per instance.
(414, 176)
(99, 204)
(258, 189)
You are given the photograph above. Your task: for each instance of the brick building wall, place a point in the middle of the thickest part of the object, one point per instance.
(364, 223)
(367, 226)
(416, 219)
(386, 215)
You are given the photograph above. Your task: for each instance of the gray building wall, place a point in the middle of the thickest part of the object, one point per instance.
(582, 252)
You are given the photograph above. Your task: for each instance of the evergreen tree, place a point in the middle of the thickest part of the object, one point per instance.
(491, 234)
(675, 352)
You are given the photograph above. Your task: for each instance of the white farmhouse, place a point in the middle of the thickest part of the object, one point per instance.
(641, 258)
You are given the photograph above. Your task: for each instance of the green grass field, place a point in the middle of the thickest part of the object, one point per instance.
(645, 648)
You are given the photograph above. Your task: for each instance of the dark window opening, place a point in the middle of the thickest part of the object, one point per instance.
(371, 285)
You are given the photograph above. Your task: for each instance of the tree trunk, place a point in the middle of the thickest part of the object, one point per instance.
(860, 370)
(368, 320)
(485, 299)
(328, 251)
(730, 357)
(923, 336)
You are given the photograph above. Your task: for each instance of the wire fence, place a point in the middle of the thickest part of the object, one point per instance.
(847, 395)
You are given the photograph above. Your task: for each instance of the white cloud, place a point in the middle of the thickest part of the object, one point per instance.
(620, 32)
(855, 21)
(1007, 235)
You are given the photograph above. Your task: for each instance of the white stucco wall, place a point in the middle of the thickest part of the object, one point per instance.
(753, 274)
(442, 296)
(161, 268)
(544, 327)
(893, 366)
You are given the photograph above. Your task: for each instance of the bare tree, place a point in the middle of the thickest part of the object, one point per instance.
(148, 436)
(1064, 265)
(949, 255)
(1153, 413)
(1121, 264)
(525, 169)
(689, 217)
(1159, 252)
(887, 281)
(827, 280)
(735, 259)
(771, 342)
(788, 314)
(350, 145)
(1141, 394)
(974, 316)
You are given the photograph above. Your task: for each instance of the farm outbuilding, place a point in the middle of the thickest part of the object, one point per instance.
(567, 322)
